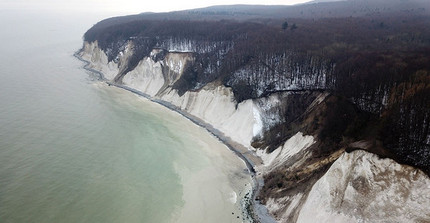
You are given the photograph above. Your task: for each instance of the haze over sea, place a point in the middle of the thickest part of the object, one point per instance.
(73, 149)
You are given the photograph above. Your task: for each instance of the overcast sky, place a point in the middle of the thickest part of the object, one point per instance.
(128, 6)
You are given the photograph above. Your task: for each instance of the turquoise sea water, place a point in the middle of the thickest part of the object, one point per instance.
(74, 150)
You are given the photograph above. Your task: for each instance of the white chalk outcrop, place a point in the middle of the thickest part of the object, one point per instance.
(99, 60)
(217, 107)
(278, 206)
(294, 145)
(146, 77)
(360, 187)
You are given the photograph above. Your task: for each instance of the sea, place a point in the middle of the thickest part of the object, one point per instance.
(73, 149)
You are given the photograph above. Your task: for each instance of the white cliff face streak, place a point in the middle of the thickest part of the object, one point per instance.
(360, 187)
(216, 106)
(282, 154)
(146, 77)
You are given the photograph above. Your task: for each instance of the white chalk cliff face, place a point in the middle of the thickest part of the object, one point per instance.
(99, 60)
(358, 187)
(216, 106)
(146, 77)
(297, 143)
(213, 104)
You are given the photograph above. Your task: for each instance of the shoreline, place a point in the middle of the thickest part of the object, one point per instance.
(253, 209)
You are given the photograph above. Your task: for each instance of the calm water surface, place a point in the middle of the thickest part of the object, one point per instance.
(71, 151)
